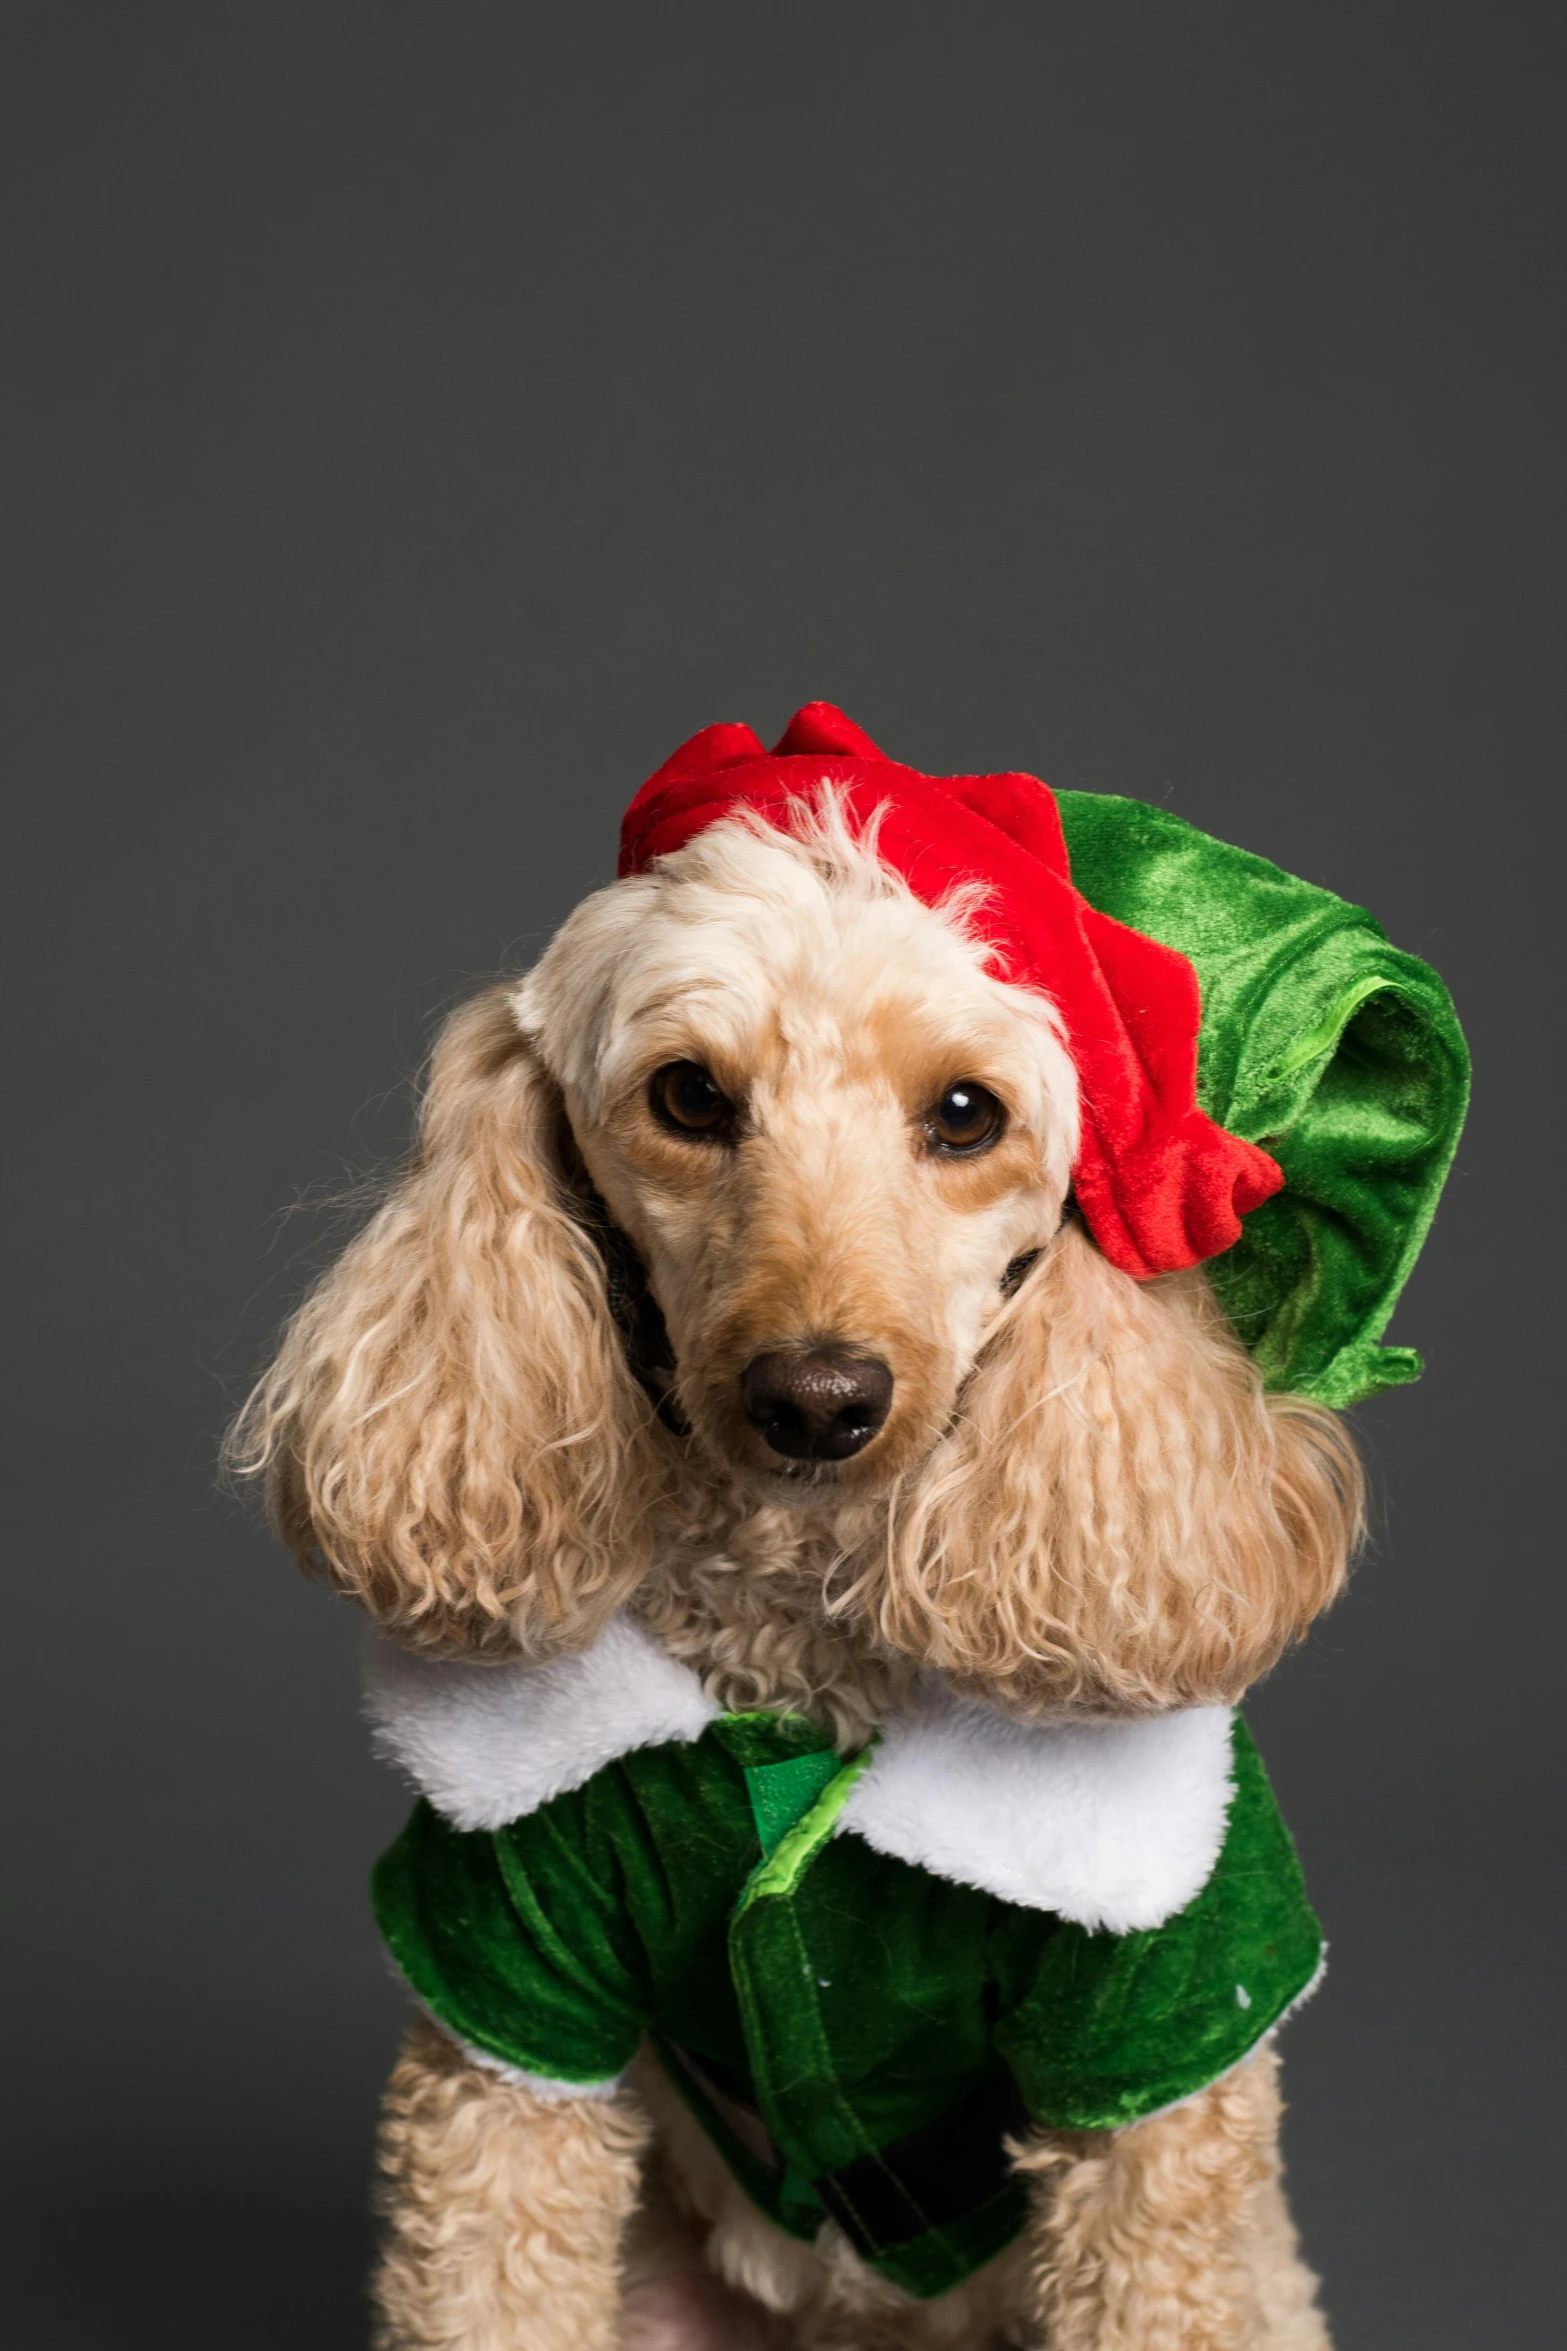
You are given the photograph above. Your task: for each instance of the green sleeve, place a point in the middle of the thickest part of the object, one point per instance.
(517, 1941)
(1114, 2027)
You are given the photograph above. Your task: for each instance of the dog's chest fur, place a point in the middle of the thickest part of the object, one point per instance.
(768, 1612)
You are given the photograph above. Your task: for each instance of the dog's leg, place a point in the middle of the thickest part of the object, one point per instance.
(505, 2211)
(1173, 2235)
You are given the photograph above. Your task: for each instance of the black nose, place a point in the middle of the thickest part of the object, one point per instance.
(816, 1403)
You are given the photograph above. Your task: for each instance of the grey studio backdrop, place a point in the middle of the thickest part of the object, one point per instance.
(419, 421)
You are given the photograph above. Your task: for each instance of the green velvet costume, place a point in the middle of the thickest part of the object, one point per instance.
(864, 1974)
(858, 2033)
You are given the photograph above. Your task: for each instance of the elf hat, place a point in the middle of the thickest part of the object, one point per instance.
(1266, 1084)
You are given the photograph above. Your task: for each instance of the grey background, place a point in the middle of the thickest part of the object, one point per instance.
(417, 421)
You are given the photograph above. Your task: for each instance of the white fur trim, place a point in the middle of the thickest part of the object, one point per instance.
(489, 1743)
(1111, 1824)
(546, 2086)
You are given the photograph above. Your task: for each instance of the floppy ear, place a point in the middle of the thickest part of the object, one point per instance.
(450, 1428)
(1119, 1515)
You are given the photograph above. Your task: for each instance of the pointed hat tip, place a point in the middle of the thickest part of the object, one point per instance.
(821, 727)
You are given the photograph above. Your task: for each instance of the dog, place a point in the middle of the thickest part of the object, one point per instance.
(737, 1305)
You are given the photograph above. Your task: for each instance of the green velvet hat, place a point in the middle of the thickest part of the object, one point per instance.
(1338, 1053)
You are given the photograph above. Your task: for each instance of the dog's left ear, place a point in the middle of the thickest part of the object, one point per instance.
(451, 1428)
(1119, 1514)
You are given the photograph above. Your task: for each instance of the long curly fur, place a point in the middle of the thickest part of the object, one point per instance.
(497, 2200)
(1118, 1517)
(1175, 2232)
(450, 1428)
(1082, 1498)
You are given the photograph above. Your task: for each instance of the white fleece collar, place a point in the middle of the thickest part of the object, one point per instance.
(1110, 1824)
(488, 1743)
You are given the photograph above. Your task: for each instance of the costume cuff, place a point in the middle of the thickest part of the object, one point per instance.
(549, 2087)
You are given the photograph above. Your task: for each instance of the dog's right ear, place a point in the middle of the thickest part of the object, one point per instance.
(1119, 1516)
(451, 1430)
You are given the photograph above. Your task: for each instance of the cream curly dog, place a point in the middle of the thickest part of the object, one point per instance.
(909, 1422)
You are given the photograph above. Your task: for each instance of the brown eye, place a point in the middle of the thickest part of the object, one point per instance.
(967, 1118)
(684, 1097)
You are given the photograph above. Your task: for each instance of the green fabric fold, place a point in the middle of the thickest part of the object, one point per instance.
(1336, 1051)
(1114, 2027)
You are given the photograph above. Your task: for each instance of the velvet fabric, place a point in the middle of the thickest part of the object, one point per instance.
(1268, 1085)
(857, 2035)
(1337, 1050)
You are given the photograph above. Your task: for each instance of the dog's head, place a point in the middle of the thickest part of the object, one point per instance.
(836, 1144)
(827, 1129)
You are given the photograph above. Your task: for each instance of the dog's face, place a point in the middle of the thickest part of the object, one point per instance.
(828, 1129)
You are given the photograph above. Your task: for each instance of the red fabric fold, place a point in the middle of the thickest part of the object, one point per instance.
(1159, 1184)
